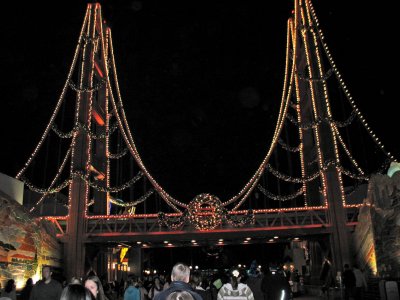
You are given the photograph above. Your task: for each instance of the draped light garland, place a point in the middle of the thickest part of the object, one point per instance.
(319, 79)
(99, 85)
(288, 178)
(50, 190)
(305, 126)
(280, 198)
(119, 154)
(345, 122)
(330, 120)
(79, 126)
(287, 147)
(81, 175)
(121, 203)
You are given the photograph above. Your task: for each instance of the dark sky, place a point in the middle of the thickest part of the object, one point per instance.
(201, 80)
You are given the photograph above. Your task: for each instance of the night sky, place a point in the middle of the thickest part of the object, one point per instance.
(201, 80)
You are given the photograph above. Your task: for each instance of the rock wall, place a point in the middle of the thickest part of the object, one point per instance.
(25, 243)
(377, 236)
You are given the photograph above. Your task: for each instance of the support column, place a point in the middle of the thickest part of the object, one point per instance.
(80, 158)
(135, 261)
(316, 108)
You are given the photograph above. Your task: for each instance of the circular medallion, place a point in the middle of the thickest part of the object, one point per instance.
(205, 212)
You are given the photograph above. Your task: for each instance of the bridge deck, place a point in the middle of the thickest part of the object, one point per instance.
(138, 228)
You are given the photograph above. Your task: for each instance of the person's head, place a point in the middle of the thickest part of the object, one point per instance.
(29, 282)
(46, 272)
(93, 284)
(180, 295)
(10, 285)
(346, 266)
(253, 270)
(75, 280)
(157, 281)
(196, 279)
(180, 272)
(75, 292)
(234, 276)
(132, 280)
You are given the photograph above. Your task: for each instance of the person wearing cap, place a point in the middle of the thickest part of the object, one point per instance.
(235, 290)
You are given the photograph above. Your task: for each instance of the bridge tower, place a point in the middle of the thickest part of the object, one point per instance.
(88, 156)
(319, 141)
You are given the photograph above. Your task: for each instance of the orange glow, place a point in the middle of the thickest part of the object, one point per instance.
(99, 175)
(99, 71)
(98, 118)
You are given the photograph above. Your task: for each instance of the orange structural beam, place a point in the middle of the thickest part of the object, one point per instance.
(99, 119)
(98, 69)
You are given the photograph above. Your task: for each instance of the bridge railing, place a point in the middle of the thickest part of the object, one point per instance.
(149, 224)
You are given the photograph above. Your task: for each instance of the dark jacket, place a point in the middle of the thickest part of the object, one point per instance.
(176, 286)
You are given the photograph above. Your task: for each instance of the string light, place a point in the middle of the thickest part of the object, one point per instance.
(287, 147)
(120, 203)
(343, 86)
(85, 129)
(118, 155)
(83, 176)
(281, 198)
(58, 105)
(290, 178)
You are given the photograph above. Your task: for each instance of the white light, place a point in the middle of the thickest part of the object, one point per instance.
(239, 265)
(276, 237)
(193, 241)
(165, 242)
(138, 242)
(283, 295)
(196, 267)
(220, 240)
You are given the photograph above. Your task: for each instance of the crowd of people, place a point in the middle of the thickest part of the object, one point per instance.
(237, 284)
(182, 284)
